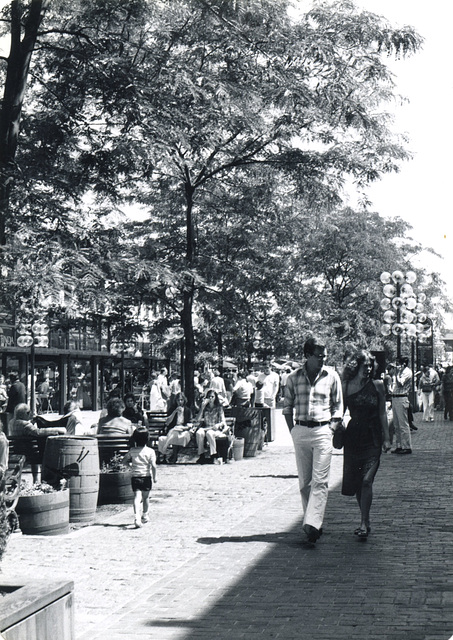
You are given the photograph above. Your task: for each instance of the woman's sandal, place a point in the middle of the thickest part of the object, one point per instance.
(361, 533)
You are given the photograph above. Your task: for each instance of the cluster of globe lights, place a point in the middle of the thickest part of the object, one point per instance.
(403, 311)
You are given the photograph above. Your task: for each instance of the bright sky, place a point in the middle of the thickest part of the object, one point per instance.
(421, 192)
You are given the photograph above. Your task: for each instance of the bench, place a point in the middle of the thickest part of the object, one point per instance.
(156, 426)
(32, 448)
(226, 453)
(110, 446)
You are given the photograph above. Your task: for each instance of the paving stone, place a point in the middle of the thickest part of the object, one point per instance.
(222, 559)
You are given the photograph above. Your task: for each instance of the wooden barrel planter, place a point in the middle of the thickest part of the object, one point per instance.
(115, 488)
(45, 514)
(75, 459)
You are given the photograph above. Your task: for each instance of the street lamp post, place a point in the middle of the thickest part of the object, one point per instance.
(400, 306)
(425, 337)
(33, 335)
(404, 315)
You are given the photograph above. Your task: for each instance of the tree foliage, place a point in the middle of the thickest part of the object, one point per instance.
(234, 126)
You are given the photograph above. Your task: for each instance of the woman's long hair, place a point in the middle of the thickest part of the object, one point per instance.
(216, 398)
(353, 362)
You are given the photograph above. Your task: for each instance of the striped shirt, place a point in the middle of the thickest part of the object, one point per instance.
(402, 382)
(321, 401)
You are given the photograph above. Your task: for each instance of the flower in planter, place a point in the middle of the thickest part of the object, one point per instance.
(43, 509)
(115, 465)
(39, 488)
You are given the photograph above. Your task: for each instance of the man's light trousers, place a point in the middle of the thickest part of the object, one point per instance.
(313, 449)
(401, 422)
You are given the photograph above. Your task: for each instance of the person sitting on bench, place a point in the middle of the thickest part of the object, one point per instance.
(22, 425)
(179, 430)
(132, 412)
(114, 424)
(211, 424)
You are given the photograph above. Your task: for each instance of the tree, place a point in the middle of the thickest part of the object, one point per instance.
(337, 262)
(242, 86)
(24, 32)
(170, 103)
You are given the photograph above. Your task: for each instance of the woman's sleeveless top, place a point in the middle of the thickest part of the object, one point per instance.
(364, 430)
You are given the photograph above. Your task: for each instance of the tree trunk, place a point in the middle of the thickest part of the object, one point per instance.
(188, 296)
(17, 69)
(189, 361)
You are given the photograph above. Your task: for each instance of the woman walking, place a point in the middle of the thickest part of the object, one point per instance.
(367, 433)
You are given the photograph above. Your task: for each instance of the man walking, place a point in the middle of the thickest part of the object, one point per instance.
(218, 384)
(270, 383)
(313, 406)
(429, 382)
(400, 404)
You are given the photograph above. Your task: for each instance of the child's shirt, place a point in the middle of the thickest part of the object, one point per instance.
(142, 461)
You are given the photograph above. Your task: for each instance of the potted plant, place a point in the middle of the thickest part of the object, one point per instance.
(43, 509)
(32, 609)
(114, 482)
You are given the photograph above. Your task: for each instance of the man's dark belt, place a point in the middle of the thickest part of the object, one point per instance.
(311, 423)
(399, 395)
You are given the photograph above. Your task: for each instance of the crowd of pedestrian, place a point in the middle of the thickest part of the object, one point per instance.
(353, 409)
(248, 388)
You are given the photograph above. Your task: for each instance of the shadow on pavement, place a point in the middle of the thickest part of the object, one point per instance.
(277, 538)
(398, 585)
(270, 475)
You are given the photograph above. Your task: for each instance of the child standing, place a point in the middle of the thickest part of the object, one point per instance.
(142, 461)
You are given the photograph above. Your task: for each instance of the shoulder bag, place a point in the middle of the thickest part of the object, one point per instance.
(338, 436)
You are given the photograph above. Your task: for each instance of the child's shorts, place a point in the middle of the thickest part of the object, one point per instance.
(142, 483)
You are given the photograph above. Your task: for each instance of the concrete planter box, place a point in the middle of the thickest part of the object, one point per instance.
(38, 610)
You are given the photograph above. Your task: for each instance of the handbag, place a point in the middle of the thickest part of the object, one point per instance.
(427, 388)
(338, 436)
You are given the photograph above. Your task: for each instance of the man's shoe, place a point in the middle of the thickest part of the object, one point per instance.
(312, 533)
(201, 459)
(397, 450)
(413, 427)
(145, 518)
(404, 451)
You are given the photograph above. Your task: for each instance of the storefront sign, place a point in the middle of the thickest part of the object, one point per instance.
(6, 336)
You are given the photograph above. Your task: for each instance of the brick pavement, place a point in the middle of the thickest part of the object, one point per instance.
(222, 559)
